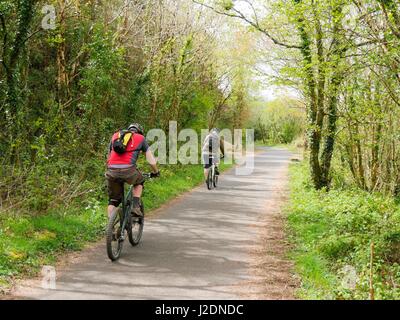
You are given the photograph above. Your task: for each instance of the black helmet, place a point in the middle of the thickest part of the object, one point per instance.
(136, 127)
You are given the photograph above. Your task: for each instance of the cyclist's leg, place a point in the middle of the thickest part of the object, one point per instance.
(206, 170)
(136, 179)
(137, 191)
(216, 162)
(207, 165)
(115, 191)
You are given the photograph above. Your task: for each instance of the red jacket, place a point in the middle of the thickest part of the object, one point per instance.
(129, 158)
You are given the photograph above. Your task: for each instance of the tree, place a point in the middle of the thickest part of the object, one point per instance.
(13, 44)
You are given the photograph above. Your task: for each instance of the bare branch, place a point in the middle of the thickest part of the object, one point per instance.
(255, 24)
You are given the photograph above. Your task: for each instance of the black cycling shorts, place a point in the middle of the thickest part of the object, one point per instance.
(209, 160)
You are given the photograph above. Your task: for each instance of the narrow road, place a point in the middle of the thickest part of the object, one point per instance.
(203, 245)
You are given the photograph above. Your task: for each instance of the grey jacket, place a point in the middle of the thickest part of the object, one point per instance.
(217, 145)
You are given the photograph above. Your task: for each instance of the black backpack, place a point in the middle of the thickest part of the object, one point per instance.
(210, 144)
(119, 144)
(211, 141)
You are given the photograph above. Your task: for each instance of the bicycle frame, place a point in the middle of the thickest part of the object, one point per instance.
(126, 204)
(214, 164)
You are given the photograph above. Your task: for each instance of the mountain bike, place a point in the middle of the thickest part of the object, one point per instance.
(212, 178)
(122, 225)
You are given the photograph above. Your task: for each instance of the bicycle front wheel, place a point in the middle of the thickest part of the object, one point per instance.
(210, 179)
(136, 228)
(113, 235)
(215, 182)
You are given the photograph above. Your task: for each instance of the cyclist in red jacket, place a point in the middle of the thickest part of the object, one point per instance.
(121, 168)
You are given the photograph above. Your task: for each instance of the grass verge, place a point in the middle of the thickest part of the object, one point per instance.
(332, 233)
(29, 242)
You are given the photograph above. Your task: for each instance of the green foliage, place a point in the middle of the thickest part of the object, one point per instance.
(349, 97)
(226, 4)
(280, 121)
(84, 80)
(101, 79)
(333, 230)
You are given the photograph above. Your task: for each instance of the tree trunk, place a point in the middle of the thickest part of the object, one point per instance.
(336, 79)
(314, 131)
(329, 140)
(25, 15)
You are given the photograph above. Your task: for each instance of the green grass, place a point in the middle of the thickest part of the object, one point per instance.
(29, 242)
(333, 231)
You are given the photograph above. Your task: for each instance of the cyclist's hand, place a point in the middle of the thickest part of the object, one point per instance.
(155, 174)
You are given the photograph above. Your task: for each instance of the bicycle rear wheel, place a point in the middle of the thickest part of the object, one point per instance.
(113, 235)
(136, 226)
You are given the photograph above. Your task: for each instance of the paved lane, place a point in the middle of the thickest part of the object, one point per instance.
(198, 247)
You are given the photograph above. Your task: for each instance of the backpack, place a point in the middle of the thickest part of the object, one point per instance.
(119, 144)
(211, 141)
(210, 144)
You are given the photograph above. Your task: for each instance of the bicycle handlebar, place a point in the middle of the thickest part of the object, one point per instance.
(220, 157)
(151, 175)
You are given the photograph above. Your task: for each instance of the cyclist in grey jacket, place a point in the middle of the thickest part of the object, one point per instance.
(212, 145)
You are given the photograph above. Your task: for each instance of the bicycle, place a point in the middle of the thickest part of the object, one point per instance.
(122, 219)
(212, 178)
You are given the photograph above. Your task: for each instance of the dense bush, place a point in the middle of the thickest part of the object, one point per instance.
(279, 121)
(334, 230)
